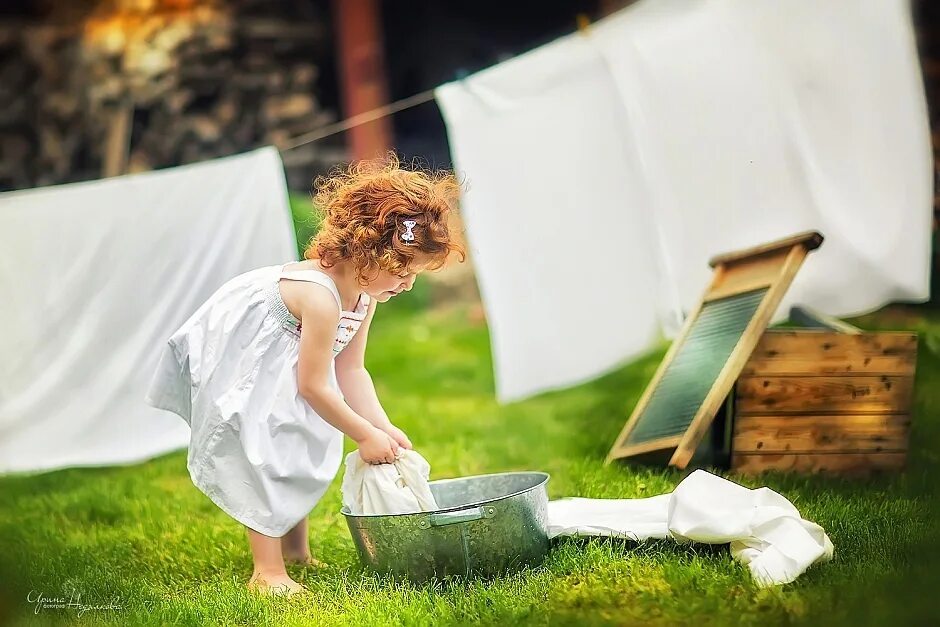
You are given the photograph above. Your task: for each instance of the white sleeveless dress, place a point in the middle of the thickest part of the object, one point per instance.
(257, 449)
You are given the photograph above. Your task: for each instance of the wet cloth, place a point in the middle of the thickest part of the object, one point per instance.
(382, 489)
(765, 530)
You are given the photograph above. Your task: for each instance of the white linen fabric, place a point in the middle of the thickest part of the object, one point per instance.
(617, 161)
(97, 275)
(634, 519)
(258, 449)
(765, 531)
(383, 489)
(556, 216)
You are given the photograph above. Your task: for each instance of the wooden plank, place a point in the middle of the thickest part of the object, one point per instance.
(117, 141)
(810, 240)
(821, 434)
(858, 464)
(660, 444)
(739, 356)
(744, 277)
(824, 395)
(805, 352)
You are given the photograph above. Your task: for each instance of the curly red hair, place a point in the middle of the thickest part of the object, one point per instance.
(363, 209)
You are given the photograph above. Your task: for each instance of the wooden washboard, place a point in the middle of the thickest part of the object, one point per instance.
(716, 340)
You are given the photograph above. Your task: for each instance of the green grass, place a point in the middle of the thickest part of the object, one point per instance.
(306, 221)
(146, 538)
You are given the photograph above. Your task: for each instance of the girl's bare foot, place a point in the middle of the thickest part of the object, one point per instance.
(295, 547)
(280, 584)
(303, 559)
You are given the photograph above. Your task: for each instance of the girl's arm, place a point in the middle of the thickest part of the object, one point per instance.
(356, 382)
(319, 315)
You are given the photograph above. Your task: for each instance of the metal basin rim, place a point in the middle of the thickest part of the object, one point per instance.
(545, 478)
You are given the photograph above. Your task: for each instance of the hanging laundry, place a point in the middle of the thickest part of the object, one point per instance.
(607, 167)
(103, 272)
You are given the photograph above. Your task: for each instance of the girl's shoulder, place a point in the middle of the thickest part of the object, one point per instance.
(310, 298)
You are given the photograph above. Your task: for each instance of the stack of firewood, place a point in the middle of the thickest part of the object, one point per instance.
(133, 85)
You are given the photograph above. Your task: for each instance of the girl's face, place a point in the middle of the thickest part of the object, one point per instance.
(387, 285)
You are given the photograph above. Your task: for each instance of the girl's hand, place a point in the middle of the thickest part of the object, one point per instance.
(378, 447)
(399, 436)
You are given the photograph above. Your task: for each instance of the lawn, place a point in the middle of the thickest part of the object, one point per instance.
(146, 539)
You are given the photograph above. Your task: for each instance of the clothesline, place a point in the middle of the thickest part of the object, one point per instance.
(361, 118)
(365, 117)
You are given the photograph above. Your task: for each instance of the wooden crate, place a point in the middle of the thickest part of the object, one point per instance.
(823, 401)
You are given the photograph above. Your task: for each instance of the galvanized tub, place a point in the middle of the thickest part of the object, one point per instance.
(485, 525)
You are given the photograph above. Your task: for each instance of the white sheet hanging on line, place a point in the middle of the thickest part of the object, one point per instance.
(97, 276)
(765, 530)
(616, 162)
(555, 209)
(786, 117)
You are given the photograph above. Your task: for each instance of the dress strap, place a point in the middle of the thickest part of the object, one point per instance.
(314, 276)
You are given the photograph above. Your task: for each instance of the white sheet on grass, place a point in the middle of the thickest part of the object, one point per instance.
(765, 530)
(606, 168)
(96, 276)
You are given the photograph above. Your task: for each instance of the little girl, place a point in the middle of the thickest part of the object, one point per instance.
(269, 371)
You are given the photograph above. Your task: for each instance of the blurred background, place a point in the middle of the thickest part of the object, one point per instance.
(97, 88)
(94, 88)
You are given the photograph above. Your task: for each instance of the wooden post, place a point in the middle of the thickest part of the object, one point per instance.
(117, 144)
(362, 74)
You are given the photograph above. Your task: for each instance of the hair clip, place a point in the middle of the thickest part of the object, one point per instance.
(409, 235)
